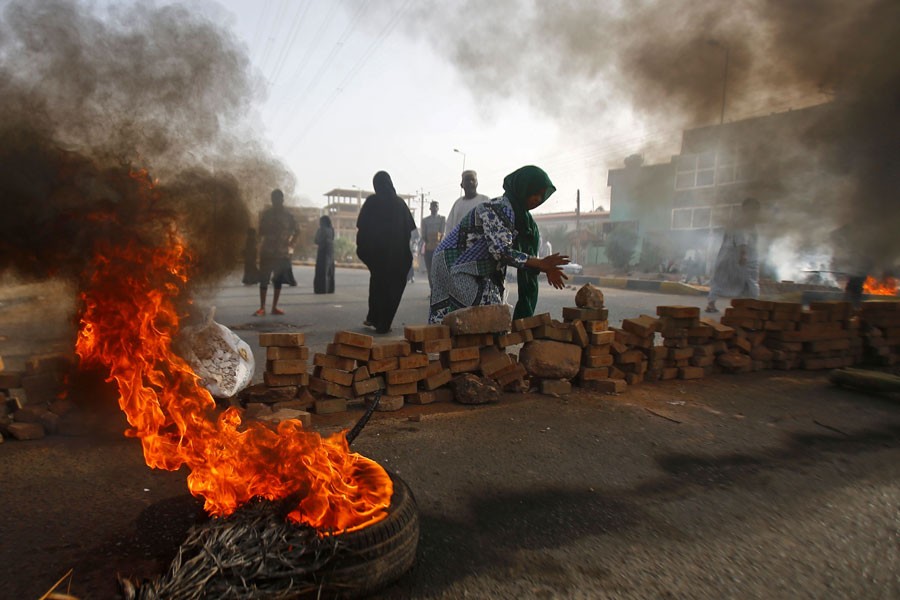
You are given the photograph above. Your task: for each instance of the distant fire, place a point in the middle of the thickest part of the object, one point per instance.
(128, 323)
(883, 287)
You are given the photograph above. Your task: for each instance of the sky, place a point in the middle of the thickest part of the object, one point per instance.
(347, 88)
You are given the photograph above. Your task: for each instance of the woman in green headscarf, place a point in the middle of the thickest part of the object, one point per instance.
(469, 265)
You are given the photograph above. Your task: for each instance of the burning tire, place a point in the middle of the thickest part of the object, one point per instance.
(371, 558)
(256, 553)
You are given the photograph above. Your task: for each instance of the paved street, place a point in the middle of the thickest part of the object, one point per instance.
(319, 316)
(764, 485)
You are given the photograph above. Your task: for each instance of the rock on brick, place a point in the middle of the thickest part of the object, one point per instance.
(548, 359)
(493, 318)
(589, 296)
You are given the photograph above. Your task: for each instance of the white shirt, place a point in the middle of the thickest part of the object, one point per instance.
(460, 209)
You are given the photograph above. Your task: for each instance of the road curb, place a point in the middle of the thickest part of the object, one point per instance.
(649, 285)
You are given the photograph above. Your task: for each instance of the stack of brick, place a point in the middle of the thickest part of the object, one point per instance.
(481, 338)
(283, 394)
(435, 344)
(633, 348)
(825, 336)
(880, 328)
(690, 345)
(748, 318)
(31, 402)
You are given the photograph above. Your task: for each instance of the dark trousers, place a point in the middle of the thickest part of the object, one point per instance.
(429, 255)
(385, 292)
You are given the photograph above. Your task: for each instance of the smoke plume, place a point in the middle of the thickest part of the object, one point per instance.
(573, 58)
(104, 110)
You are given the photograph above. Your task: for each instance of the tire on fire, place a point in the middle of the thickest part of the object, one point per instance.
(371, 558)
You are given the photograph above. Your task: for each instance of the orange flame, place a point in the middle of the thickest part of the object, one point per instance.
(128, 324)
(884, 287)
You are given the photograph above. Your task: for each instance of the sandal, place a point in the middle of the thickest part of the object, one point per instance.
(260, 313)
(277, 311)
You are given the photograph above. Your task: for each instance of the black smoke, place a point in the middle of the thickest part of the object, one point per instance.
(572, 59)
(99, 107)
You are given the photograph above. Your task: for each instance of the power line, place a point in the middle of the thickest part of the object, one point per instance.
(270, 41)
(296, 25)
(383, 35)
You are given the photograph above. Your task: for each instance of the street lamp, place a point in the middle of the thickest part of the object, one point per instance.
(358, 194)
(724, 46)
(464, 157)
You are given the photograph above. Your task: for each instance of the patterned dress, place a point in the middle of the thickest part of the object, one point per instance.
(469, 265)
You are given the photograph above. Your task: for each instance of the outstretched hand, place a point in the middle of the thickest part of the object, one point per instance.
(551, 266)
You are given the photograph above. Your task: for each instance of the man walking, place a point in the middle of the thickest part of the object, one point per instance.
(432, 234)
(277, 231)
(465, 203)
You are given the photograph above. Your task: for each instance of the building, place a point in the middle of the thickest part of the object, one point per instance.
(683, 205)
(343, 207)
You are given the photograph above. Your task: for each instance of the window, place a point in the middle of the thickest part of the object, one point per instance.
(702, 217)
(708, 169)
(681, 218)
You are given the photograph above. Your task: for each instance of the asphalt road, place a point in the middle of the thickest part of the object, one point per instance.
(766, 485)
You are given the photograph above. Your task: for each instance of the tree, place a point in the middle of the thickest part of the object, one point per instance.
(344, 250)
(620, 246)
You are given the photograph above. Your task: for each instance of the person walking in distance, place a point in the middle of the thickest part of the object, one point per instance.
(383, 231)
(432, 234)
(277, 232)
(465, 203)
(323, 282)
(736, 273)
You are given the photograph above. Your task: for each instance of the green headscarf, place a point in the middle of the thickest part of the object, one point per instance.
(517, 186)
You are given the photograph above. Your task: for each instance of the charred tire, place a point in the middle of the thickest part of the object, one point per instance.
(372, 558)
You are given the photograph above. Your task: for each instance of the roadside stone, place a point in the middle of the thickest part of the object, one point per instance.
(471, 389)
(548, 359)
(494, 318)
(589, 296)
(26, 431)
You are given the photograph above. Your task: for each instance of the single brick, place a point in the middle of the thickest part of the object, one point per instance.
(464, 366)
(383, 365)
(531, 322)
(361, 373)
(413, 361)
(515, 372)
(579, 334)
(601, 338)
(422, 333)
(292, 353)
(642, 326)
(460, 354)
(435, 346)
(596, 326)
(334, 362)
(421, 398)
(346, 351)
(327, 406)
(387, 403)
(438, 379)
(273, 380)
(605, 360)
(335, 375)
(383, 350)
(492, 360)
(631, 357)
(368, 386)
(592, 374)
(434, 367)
(572, 313)
(598, 350)
(558, 387)
(553, 332)
(401, 376)
(287, 340)
(351, 338)
(515, 338)
(678, 312)
(286, 367)
(401, 389)
(476, 339)
(680, 353)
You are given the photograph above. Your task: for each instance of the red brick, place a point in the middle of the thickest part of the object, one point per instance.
(515, 338)
(438, 379)
(286, 367)
(531, 322)
(287, 340)
(464, 366)
(335, 362)
(678, 312)
(291, 353)
(413, 361)
(477, 340)
(492, 360)
(346, 351)
(571, 313)
(603, 337)
(605, 360)
(273, 380)
(383, 350)
(401, 389)
(385, 364)
(435, 346)
(361, 373)
(459, 354)
(335, 375)
(368, 386)
(422, 333)
(641, 326)
(402, 376)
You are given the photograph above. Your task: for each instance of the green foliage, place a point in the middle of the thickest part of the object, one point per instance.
(344, 250)
(620, 246)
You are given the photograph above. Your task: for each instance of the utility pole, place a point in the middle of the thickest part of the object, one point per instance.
(578, 226)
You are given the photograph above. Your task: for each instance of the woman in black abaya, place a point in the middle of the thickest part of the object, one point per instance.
(382, 243)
